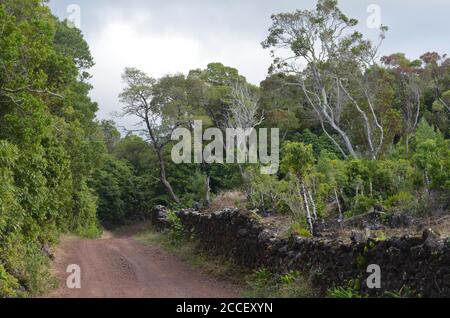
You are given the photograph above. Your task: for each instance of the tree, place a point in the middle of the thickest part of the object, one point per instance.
(282, 104)
(162, 106)
(432, 157)
(408, 90)
(299, 160)
(110, 134)
(138, 153)
(122, 196)
(334, 178)
(243, 115)
(214, 96)
(225, 97)
(243, 112)
(437, 70)
(336, 76)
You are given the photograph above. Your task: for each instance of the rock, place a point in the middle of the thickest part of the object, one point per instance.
(196, 206)
(393, 252)
(284, 249)
(378, 207)
(265, 236)
(400, 220)
(406, 260)
(432, 245)
(430, 234)
(242, 232)
(47, 252)
(159, 217)
(358, 237)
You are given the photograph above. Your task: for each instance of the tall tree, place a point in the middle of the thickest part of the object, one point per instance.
(330, 61)
(408, 89)
(110, 134)
(162, 106)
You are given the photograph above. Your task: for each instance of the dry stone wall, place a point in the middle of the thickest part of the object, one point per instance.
(421, 264)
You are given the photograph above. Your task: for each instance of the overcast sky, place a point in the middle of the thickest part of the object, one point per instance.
(170, 36)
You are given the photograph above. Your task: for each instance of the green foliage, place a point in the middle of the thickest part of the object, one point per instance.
(47, 152)
(397, 181)
(115, 187)
(319, 142)
(298, 158)
(361, 204)
(8, 283)
(432, 156)
(401, 202)
(267, 192)
(299, 229)
(176, 228)
(289, 278)
(262, 275)
(264, 284)
(352, 289)
(342, 292)
(136, 152)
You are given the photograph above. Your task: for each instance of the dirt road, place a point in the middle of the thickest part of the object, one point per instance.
(120, 267)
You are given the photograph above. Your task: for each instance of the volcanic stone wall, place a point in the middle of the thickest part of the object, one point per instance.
(421, 264)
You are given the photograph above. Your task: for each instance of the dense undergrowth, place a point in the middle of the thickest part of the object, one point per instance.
(48, 146)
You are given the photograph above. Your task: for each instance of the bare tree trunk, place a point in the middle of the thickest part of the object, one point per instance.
(341, 215)
(308, 211)
(313, 203)
(322, 110)
(162, 166)
(368, 128)
(163, 178)
(445, 104)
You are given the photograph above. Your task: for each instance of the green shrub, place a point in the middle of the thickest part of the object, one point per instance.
(176, 228)
(290, 277)
(299, 229)
(362, 204)
(8, 284)
(401, 202)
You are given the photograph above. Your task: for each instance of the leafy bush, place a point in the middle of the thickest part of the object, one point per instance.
(361, 204)
(267, 193)
(299, 229)
(8, 284)
(401, 202)
(176, 228)
(289, 278)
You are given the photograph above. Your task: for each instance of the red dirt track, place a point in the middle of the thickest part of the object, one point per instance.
(120, 267)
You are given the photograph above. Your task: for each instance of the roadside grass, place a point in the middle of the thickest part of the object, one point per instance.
(264, 284)
(189, 252)
(252, 284)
